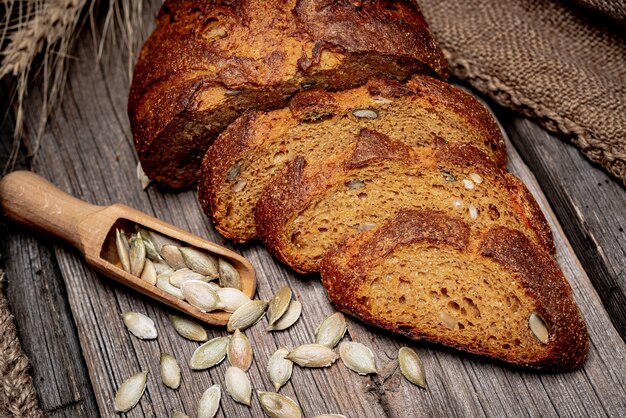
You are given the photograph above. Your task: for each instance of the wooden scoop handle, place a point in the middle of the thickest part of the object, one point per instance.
(34, 202)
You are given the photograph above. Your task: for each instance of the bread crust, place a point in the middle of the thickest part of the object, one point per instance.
(345, 266)
(294, 188)
(200, 50)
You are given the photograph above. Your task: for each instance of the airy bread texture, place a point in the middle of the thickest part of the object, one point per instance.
(430, 275)
(319, 125)
(207, 62)
(307, 208)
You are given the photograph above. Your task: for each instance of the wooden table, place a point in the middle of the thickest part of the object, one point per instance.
(68, 317)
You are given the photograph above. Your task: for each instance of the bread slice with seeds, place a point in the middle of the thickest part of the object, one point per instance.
(307, 208)
(208, 61)
(319, 125)
(431, 275)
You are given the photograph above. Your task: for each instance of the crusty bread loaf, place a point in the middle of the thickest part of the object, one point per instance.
(319, 125)
(430, 275)
(307, 208)
(207, 62)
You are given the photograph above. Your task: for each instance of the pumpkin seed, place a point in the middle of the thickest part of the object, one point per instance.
(139, 325)
(209, 402)
(229, 276)
(209, 354)
(151, 251)
(279, 406)
(247, 315)
(238, 385)
(130, 392)
(289, 318)
(538, 328)
(181, 276)
(448, 176)
(137, 255)
(200, 262)
(279, 305)
(170, 371)
(355, 184)
(188, 329)
(239, 351)
(234, 171)
(200, 295)
(468, 184)
(381, 100)
(163, 283)
(149, 273)
(231, 299)
(312, 355)
(412, 367)
(448, 321)
(279, 369)
(473, 211)
(239, 186)
(365, 113)
(331, 330)
(141, 176)
(159, 240)
(365, 226)
(123, 247)
(162, 267)
(357, 357)
(476, 178)
(173, 257)
(178, 414)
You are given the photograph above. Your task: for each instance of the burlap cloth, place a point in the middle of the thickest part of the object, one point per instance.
(562, 63)
(17, 394)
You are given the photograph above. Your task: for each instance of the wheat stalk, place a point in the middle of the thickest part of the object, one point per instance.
(44, 32)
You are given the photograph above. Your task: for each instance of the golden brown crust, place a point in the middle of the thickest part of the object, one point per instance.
(463, 103)
(371, 146)
(396, 27)
(200, 51)
(534, 218)
(345, 266)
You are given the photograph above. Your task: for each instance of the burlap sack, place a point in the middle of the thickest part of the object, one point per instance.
(17, 394)
(562, 63)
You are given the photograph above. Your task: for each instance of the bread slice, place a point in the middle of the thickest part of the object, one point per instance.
(308, 207)
(208, 61)
(430, 275)
(319, 125)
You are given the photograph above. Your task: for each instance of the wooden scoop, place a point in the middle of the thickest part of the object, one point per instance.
(33, 202)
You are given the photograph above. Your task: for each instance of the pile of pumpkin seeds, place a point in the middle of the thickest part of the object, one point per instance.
(282, 312)
(201, 279)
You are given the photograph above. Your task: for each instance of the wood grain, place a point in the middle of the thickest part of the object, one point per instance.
(88, 152)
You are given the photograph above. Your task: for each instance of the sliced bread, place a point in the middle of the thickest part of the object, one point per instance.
(319, 125)
(307, 208)
(430, 275)
(208, 61)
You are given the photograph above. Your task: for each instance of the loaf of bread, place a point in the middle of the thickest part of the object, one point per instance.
(319, 125)
(348, 153)
(432, 275)
(207, 62)
(307, 208)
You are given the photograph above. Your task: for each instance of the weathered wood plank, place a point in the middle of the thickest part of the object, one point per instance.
(88, 152)
(37, 298)
(590, 205)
